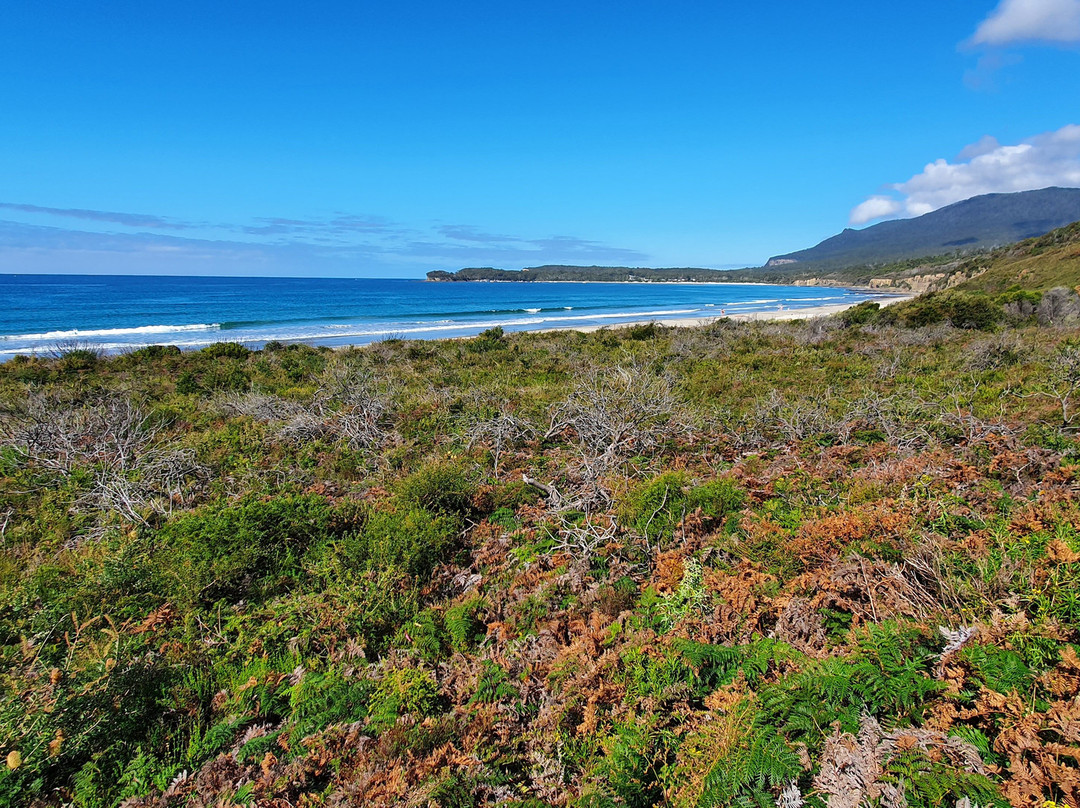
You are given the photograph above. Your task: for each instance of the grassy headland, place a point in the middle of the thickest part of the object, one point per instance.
(747, 564)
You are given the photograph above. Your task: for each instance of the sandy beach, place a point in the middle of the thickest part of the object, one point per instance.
(802, 313)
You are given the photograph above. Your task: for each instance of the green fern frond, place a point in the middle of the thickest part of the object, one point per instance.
(464, 625)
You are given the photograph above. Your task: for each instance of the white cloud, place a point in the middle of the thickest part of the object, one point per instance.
(986, 167)
(876, 207)
(1030, 21)
(984, 145)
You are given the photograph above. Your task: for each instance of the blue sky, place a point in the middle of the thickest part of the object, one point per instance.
(388, 139)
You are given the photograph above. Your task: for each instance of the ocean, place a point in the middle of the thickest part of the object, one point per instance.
(46, 313)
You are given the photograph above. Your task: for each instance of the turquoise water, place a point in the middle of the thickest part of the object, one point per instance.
(115, 313)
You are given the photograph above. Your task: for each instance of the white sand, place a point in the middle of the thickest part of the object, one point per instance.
(770, 314)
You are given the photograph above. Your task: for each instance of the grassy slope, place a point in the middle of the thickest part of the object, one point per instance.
(320, 578)
(1038, 264)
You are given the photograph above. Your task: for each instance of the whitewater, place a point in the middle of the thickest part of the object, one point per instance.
(51, 313)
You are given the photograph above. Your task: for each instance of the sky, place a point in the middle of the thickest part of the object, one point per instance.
(388, 139)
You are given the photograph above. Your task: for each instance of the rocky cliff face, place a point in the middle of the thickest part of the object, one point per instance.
(915, 282)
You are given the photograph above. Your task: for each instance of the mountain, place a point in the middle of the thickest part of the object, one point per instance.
(979, 223)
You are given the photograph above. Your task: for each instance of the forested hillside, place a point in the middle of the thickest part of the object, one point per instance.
(834, 562)
(1036, 264)
(979, 223)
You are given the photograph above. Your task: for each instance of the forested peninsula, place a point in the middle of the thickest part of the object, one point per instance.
(832, 562)
(578, 274)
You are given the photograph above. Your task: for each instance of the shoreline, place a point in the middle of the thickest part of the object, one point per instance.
(855, 287)
(785, 314)
(802, 313)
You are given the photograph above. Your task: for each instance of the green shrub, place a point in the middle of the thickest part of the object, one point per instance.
(411, 541)
(152, 352)
(643, 331)
(655, 508)
(717, 498)
(78, 359)
(438, 487)
(97, 739)
(491, 340)
(187, 383)
(962, 309)
(514, 494)
(862, 314)
(249, 550)
(226, 350)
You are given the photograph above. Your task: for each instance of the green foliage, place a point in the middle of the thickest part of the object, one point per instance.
(323, 698)
(439, 487)
(962, 309)
(861, 314)
(155, 352)
(644, 331)
(929, 784)
(252, 549)
(631, 770)
(452, 790)
(893, 673)
(463, 624)
(997, 668)
(751, 770)
(402, 692)
(806, 704)
(490, 340)
(96, 738)
(226, 350)
(716, 665)
(255, 749)
(504, 517)
(655, 508)
(1058, 595)
(426, 632)
(514, 494)
(410, 541)
(688, 597)
(493, 685)
(979, 740)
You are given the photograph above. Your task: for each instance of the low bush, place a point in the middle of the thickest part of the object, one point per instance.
(655, 509)
(403, 692)
(250, 550)
(440, 488)
(962, 309)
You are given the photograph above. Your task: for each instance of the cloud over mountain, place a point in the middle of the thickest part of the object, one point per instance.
(1041, 161)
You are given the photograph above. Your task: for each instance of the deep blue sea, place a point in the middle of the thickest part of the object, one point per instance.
(42, 313)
